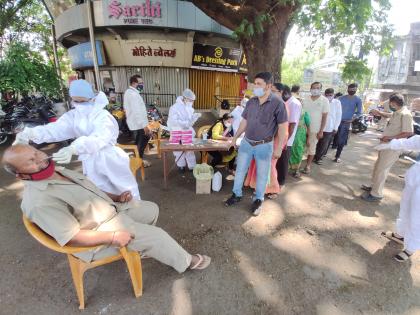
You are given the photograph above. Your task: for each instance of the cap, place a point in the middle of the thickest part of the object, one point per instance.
(81, 88)
(188, 94)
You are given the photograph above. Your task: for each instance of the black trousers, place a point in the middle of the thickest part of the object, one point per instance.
(343, 136)
(282, 165)
(141, 140)
(217, 159)
(322, 146)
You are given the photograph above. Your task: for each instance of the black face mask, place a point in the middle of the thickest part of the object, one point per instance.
(140, 87)
(286, 97)
(351, 92)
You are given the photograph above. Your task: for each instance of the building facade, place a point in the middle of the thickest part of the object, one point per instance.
(398, 71)
(171, 43)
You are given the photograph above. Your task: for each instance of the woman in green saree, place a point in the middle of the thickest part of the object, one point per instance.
(299, 144)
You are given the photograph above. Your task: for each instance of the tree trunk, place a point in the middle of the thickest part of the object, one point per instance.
(264, 52)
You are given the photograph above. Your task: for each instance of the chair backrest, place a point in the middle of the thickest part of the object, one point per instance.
(135, 161)
(202, 130)
(48, 241)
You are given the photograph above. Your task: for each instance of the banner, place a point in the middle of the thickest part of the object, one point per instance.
(216, 58)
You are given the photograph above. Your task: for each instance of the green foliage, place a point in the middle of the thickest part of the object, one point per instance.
(355, 70)
(292, 68)
(247, 28)
(24, 71)
(364, 22)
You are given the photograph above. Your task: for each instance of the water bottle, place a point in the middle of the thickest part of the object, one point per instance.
(205, 136)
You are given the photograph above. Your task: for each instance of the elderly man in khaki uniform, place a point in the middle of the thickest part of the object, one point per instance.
(70, 208)
(400, 126)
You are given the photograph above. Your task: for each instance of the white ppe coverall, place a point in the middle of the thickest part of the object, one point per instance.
(408, 222)
(182, 117)
(96, 133)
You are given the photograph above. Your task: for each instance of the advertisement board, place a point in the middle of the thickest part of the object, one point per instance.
(81, 55)
(216, 58)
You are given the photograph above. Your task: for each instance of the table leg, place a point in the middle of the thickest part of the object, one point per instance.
(165, 170)
(205, 156)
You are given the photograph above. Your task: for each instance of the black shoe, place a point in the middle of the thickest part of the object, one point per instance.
(370, 198)
(232, 200)
(256, 207)
(181, 170)
(319, 162)
(337, 160)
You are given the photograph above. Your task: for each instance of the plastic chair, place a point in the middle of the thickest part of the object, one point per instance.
(202, 130)
(136, 162)
(78, 266)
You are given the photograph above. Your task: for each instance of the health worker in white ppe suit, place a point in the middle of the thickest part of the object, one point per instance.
(96, 133)
(408, 221)
(182, 117)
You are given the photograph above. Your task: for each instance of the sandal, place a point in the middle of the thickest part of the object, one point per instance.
(403, 256)
(271, 196)
(391, 236)
(203, 262)
(306, 171)
(296, 174)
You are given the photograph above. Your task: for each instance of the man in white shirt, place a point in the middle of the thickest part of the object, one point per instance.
(333, 121)
(317, 106)
(136, 114)
(294, 110)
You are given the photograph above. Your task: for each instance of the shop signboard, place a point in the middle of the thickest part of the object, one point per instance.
(81, 55)
(216, 58)
(134, 12)
(149, 53)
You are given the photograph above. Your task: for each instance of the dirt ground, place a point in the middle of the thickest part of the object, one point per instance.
(314, 250)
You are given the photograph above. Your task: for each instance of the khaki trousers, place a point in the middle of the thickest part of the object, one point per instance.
(140, 219)
(386, 158)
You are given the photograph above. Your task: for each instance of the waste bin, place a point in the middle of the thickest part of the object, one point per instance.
(203, 174)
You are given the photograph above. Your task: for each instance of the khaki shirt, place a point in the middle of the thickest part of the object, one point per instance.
(401, 121)
(63, 208)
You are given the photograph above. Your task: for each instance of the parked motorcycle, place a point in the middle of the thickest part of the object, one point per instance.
(359, 124)
(30, 112)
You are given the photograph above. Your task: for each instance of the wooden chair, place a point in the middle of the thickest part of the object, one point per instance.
(136, 162)
(203, 130)
(78, 266)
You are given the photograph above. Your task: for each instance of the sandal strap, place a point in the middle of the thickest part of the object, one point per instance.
(403, 256)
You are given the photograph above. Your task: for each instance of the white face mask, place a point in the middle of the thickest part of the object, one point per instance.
(315, 92)
(228, 125)
(330, 98)
(258, 91)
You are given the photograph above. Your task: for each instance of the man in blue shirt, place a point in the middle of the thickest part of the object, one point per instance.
(351, 106)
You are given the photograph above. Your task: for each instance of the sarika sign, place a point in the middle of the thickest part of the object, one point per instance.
(136, 12)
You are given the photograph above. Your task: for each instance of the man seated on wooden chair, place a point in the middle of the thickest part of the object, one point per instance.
(71, 209)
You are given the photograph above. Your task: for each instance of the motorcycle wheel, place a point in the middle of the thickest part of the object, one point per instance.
(4, 139)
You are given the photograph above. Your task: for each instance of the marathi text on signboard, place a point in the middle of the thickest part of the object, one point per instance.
(217, 58)
(141, 51)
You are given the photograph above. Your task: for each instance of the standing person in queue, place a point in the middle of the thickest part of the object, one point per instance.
(182, 117)
(351, 106)
(136, 113)
(96, 133)
(317, 106)
(333, 121)
(294, 108)
(264, 118)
